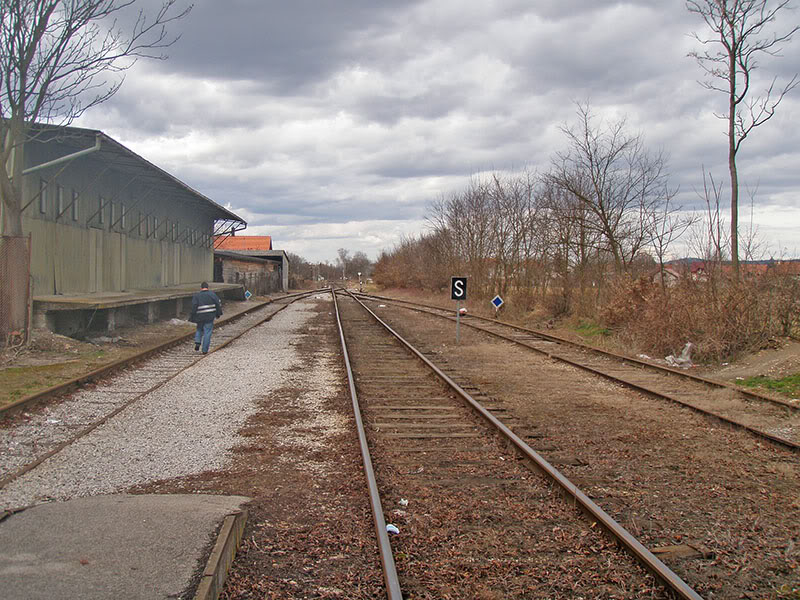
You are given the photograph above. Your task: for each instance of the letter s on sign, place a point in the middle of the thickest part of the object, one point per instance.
(458, 289)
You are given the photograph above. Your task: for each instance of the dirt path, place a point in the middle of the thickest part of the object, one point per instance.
(777, 363)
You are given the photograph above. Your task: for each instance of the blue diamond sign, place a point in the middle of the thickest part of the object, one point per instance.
(497, 301)
(247, 295)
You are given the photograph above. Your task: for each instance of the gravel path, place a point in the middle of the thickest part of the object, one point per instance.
(187, 426)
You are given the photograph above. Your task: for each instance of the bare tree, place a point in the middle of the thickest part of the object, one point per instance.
(617, 181)
(342, 260)
(467, 220)
(707, 236)
(668, 225)
(59, 58)
(300, 272)
(753, 245)
(565, 248)
(739, 36)
(360, 263)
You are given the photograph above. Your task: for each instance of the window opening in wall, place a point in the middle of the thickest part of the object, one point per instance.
(42, 196)
(174, 232)
(74, 205)
(113, 217)
(101, 217)
(141, 223)
(122, 215)
(59, 200)
(155, 227)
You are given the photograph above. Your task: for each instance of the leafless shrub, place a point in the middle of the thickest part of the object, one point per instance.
(722, 320)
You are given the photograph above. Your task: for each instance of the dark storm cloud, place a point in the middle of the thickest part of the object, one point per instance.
(285, 46)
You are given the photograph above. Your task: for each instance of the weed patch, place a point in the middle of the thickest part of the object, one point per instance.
(18, 382)
(590, 329)
(787, 386)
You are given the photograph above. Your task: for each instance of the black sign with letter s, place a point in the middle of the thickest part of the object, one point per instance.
(458, 288)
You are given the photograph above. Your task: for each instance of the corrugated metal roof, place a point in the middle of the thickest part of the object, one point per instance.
(243, 242)
(120, 158)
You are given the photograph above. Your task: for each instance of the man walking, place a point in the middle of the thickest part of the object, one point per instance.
(205, 308)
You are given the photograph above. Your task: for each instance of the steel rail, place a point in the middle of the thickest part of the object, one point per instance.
(76, 382)
(646, 558)
(393, 591)
(629, 359)
(777, 440)
(105, 418)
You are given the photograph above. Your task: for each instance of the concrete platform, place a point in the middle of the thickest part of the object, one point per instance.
(68, 313)
(117, 299)
(121, 546)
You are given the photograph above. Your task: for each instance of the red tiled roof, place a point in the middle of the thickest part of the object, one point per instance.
(788, 267)
(243, 242)
(747, 268)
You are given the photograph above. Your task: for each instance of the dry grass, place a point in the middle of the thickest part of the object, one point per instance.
(723, 320)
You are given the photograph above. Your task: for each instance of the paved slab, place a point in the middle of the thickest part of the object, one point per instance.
(128, 297)
(120, 546)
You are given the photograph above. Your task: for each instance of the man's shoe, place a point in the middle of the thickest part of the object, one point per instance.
(196, 347)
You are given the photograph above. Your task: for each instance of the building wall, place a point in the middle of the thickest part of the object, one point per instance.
(259, 278)
(160, 242)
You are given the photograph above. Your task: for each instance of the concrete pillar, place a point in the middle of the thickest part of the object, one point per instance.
(44, 320)
(111, 319)
(152, 312)
(284, 274)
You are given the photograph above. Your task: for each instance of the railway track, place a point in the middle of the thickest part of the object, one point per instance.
(113, 389)
(457, 483)
(771, 419)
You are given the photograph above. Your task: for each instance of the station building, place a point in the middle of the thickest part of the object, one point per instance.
(251, 261)
(113, 237)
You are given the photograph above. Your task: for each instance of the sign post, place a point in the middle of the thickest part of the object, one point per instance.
(458, 292)
(497, 302)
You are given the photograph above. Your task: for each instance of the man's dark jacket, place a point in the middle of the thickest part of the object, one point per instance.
(205, 307)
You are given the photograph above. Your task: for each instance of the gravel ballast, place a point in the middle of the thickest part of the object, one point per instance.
(188, 425)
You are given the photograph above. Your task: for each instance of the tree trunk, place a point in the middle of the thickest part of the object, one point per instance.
(14, 258)
(733, 171)
(15, 278)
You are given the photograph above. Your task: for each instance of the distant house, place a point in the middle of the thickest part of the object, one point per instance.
(251, 261)
(785, 267)
(700, 270)
(670, 275)
(750, 270)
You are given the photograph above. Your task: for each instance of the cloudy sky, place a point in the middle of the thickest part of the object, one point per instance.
(330, 124)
